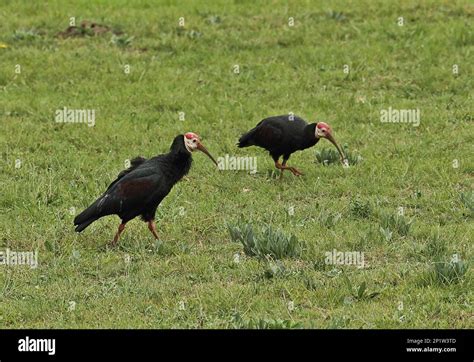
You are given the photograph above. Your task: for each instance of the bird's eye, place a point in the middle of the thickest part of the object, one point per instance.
(194, 141)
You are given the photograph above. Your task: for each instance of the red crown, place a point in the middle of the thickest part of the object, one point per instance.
(191, 135)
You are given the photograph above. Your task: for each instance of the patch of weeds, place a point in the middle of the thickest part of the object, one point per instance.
(436, 246)
(449, 272)
(268, 243)
(467, 199)
(75, 256)
(339, 322)
(273, 175)
(262, 323)
(310, 283)
(390, 223)
(214, 19)
(334, 272)
(336, 15)
(242, 232)
(328, 156)
(23, 34)
(275, 269)
(386, 234)
(122, 41)
(320, 264)
(158, 246)
(361, 209)
(191, 34)
(328, 219)
(52, 246)
(360, 292)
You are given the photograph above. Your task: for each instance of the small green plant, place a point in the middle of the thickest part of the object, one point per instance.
(23, 34)
(336, 15)
(269, 242)
(360, 292)
(361, 209)
(122, 41)
(399, 224)
(242, 232)
(386, 234)
(158, 246)
(328, 156)
(467, 199)
(339, 322)
(275, 269)
(328, 219)
(449, 272)
(262, 323)
(214, 19)
(436, 246)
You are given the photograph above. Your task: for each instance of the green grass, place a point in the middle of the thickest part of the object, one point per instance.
(192, 277)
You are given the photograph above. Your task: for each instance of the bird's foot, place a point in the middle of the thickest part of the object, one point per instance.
(296, 172)
(112, 244)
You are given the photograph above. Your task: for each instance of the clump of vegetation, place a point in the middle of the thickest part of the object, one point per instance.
(390, 223)
(262, 323)
(358, 292)
(361, 209)
(328, 156)
(214, 19)
(336, 15)
(449, 272)
(328, 219)
(436, 246)
(467, 199)
(23, 34)
(122, 40)
(190, 34)
(268, 243)
(275, 269)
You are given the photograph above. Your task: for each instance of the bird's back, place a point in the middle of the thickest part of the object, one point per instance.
(279, 135)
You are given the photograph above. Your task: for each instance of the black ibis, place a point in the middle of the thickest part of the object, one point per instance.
(283, 135)
(139, 189)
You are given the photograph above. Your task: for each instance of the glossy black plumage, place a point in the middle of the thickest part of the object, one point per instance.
(139, 189)
(281, 136)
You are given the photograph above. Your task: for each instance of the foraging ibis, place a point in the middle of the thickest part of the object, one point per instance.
(139, 189)
(283, 135)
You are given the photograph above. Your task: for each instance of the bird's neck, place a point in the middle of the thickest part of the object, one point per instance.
(310, 135)
(181, 161)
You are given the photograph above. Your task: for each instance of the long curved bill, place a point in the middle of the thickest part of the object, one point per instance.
(333, 141)
(203, 149)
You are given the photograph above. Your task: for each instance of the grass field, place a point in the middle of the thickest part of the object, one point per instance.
(232, 64)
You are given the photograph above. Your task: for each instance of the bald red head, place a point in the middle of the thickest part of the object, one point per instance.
(191, 135)
(323, 126)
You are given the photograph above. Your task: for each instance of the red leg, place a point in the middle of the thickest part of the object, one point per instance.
(121, 228)
(152, 228)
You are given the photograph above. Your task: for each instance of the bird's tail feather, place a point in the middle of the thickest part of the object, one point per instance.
(85, 224)
(87, 217)
(245, 140)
